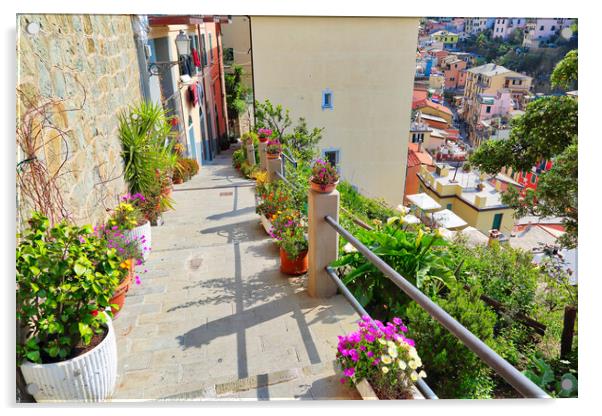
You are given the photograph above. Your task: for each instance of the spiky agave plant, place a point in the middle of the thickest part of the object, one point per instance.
(145, 133)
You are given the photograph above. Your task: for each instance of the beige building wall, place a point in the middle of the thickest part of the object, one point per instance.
(237, 35)
(71, 58)
(368, 64)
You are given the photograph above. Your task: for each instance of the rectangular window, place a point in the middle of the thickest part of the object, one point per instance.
(449, 206)
(488, 109)
(211, 47)
(540, 27)
(327, 99)
(332, 156)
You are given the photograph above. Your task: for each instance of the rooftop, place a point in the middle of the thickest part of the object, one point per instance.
(489, 69)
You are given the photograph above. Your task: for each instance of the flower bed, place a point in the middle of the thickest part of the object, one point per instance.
(381, 356)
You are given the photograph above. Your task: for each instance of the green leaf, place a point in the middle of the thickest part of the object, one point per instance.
(79, 269)
(33, 356)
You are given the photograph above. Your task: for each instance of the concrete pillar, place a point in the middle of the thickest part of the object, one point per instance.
(323, 242)
(274, 166)
(251, 154)
(263, 158)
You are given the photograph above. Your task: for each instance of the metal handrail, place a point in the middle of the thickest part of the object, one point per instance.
(285, 156)
(502, 367)
(420, 384)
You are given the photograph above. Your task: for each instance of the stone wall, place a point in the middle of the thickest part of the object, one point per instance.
(87, 65)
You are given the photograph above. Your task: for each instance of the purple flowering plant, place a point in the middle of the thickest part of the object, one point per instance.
(129, 250)
(128, 214)
(274, 147)
(382, 354)
(264, 133)
(323, 173)
(288, 229)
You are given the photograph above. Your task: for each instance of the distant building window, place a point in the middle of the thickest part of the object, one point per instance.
(449, 206)
(203, 50)
(228, 55)
(332, 156)
(553, 28)
(211, 47)
(327, 99)
(488, 109)
(540, 27)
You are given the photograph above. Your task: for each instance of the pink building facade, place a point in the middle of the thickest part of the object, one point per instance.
(495, 106)
(504, 26)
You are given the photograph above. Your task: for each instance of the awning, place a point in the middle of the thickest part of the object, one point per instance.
(423, 202)
(447, 219)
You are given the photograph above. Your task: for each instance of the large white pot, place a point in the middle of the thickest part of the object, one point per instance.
(90, 377)
(138, 232)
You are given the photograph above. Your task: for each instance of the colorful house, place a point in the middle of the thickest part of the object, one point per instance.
(468, 195)
(539, 31)
(416, 159)
(429, 108)
(449, 39)
(454, 71)
(505, 26)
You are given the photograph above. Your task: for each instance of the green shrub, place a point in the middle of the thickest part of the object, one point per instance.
(454, 371)
(238, 157)
(419, 257)
(365, 208)
(66, 275)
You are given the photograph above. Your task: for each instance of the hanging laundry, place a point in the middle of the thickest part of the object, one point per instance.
(199, 90)
(186, 66)
(193, 94)
(195, 58)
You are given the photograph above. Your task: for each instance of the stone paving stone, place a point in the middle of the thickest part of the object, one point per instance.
(214, 309)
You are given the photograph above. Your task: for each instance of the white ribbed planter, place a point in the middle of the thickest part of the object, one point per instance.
(90, 377)
(138, 232)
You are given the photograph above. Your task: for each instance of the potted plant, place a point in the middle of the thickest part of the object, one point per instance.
(65, 279)
(274, 199)
(130, 254)
(129, 217)
(324, 178)
(273, 149)
(289, 231)
(264, 134)
(380, 361)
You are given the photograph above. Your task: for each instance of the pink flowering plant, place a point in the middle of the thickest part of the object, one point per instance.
(129, 249)
(381, 354)
(289, 228)
(274, 147)
(323, 173)
(128, 214)
(264, 133)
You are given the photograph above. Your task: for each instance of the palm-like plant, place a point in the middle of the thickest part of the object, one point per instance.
(147, 150)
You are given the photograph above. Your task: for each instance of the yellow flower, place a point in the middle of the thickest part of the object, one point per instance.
(385, 369)
(392, 352)
(402, 364)
(386, 359)
(125, 264)
(414, 376)
(422, 374)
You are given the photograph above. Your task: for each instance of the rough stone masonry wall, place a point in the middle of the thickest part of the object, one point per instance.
(75, 57)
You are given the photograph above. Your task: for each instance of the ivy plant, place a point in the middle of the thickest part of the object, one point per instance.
(66, 277)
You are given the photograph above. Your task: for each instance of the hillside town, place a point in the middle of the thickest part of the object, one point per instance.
(268, 207)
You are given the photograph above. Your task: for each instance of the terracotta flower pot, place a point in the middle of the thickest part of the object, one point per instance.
(119, 295)
(264, 139)
(293, 267)
(273, 155)
(321, 188)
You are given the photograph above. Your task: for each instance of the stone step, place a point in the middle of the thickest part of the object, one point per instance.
(317, 381)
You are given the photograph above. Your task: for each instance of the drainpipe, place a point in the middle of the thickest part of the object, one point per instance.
(222, 81)
(141, 29)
